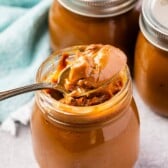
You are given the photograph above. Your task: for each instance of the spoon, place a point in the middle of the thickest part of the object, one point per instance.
(59, 86)
(38, 86)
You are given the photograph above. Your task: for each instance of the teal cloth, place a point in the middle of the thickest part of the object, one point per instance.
(24, 44)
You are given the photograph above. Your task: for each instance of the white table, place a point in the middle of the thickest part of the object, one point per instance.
(16, 152)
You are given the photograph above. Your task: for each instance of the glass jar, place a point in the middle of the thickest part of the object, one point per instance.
(104, 135)
(151, 56)
(95, 21)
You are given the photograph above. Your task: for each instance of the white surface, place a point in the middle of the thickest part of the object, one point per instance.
(154, 138)
(16, 152)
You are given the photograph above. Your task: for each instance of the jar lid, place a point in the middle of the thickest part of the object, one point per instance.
(98, 8)
(154, 22)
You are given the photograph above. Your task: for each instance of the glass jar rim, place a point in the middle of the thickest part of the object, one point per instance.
(99, 8)
(67, 114)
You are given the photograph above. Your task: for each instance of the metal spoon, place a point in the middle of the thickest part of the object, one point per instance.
(38, 86)
(59, 86)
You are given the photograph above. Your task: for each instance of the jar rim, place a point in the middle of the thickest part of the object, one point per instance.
(98, 8)
(155, 30)
(56, 111)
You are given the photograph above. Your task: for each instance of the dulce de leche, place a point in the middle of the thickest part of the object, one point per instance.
(151, 56)
(96, 130)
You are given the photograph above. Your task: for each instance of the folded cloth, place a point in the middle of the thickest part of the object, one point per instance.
(24, 44)
(19, 3)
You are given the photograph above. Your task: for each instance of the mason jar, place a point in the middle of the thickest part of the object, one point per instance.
(95, 21)
(151, 56)
(99, 136)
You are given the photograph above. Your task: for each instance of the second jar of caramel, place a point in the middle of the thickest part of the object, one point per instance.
(94, 21)
(151, 56)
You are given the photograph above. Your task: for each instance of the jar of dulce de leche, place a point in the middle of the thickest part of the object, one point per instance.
(79, 22)
(151, 56)
(94, 131)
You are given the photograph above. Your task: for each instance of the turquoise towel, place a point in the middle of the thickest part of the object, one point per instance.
(24, 44)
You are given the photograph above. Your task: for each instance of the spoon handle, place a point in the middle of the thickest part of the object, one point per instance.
(24, 89)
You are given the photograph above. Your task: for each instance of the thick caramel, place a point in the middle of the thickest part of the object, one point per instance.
(151, 75)
(90, 68)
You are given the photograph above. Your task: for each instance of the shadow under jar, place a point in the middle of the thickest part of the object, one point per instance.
(95, 21)
(99, 136)
(151, 56)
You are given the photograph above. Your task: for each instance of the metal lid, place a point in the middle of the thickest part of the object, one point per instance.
(154, 22)
(98, 8)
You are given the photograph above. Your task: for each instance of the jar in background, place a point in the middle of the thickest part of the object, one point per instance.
(104, 135)
(95, 21)
(151, 56)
